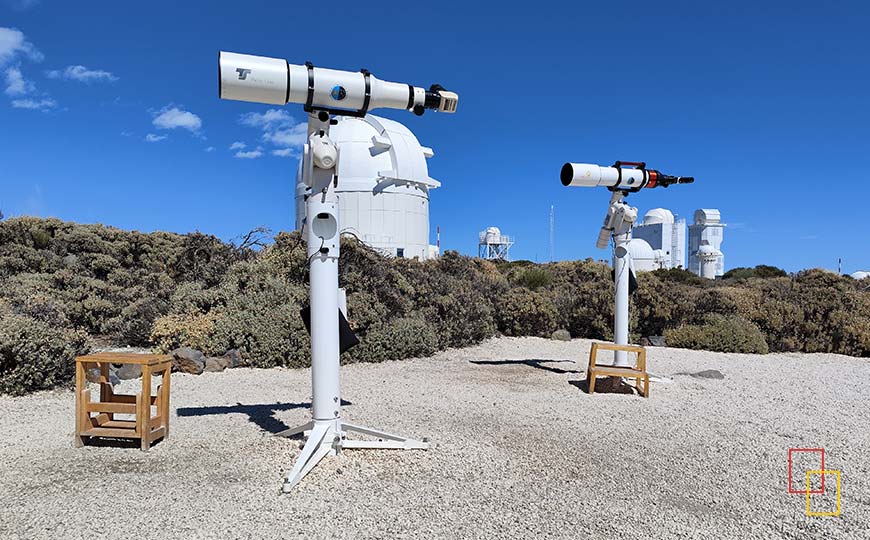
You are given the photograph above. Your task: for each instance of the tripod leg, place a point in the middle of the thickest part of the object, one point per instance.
(311, 454)
(387, 440)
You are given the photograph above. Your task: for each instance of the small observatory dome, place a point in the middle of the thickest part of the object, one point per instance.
(643, 257)
(658, 215)
(861, 274)
(383, 185)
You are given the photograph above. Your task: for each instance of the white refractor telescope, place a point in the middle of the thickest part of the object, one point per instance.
(275, 81)
(623, 178)
(325, 92)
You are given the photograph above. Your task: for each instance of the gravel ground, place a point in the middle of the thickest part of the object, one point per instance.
(519, 451)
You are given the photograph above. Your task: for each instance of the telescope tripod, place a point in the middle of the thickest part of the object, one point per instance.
(327, 433)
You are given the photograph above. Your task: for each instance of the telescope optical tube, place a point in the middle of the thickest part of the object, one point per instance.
(275, 81)
(617, 178)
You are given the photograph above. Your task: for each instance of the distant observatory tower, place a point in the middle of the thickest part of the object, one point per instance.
(493, 245)
(705, 239)
(384, 186)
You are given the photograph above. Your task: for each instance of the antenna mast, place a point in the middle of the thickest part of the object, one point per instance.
(552, 233)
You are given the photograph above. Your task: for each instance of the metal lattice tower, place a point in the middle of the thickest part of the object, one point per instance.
(493, 245)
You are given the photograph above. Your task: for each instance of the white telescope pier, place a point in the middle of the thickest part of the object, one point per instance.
(324, 93)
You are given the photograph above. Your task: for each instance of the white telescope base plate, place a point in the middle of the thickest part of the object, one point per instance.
(329, 437)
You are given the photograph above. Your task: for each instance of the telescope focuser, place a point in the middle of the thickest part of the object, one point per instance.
(439, 99)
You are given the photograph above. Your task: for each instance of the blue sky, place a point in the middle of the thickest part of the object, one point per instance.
(110, 114)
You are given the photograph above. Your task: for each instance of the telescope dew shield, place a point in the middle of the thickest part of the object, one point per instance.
(588, 175)
(275, 81)
(253, 78)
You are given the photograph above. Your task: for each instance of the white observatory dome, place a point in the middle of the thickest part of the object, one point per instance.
(643, 257)
(492, 235)
(383, 185)
(860, 275)
(658, 215)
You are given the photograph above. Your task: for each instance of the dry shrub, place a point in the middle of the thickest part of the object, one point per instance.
(35, 355)
(719, 333)
(521, 312)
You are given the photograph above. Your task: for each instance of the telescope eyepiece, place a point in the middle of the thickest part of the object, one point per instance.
(666, 180)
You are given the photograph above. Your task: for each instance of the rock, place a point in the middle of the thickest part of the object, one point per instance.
(214, 365)
(188, 360)
(652, 341)
(223, 361)
(233, 358)
(129, 371)
(708, 374)
(561, 335)
(93, 375)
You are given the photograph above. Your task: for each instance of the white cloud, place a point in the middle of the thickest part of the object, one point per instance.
(279, 129)
(154, 138)
(12, 43)
(126, 133)
(237, 145)
(16, 84)
(294, 136)
(250, 154)
(81, 74)
(285, 152)
(39, 105)
(269, 119)
(172, 117)
(210, 149)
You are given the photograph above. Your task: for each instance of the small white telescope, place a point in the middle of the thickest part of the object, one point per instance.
(275, 81)
(618, 177)
(623, 178)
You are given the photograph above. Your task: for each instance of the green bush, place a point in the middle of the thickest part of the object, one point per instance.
(762, 271)
(521, 312)
(401, 338)
(534, 278)
(35, 355)
(718, 333)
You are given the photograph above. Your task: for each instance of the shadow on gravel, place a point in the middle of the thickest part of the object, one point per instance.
(106, 442)
(605, 385)
(263, 415)
(537, 364)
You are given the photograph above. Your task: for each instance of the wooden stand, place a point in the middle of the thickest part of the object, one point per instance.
(637, 373)
(145, 427)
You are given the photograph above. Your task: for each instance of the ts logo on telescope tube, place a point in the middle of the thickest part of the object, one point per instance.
(338, 93)
(243, 73)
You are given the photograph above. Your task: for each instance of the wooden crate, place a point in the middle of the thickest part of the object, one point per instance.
(638, 372)
(145, 427)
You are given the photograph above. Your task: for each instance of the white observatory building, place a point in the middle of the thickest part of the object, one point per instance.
(705, 240)
(383, 186)
(659, 242)
(493, 245)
